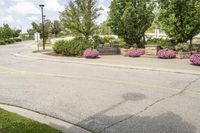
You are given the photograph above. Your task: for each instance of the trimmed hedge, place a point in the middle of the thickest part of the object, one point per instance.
(74, 47)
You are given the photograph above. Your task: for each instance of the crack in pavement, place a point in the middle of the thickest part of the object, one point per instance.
(151, 105)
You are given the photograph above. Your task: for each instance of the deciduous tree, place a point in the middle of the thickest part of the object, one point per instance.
(130, 19)
(180, 19)
(80, 16)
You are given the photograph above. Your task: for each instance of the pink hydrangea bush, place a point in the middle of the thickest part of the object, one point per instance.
(88, 53)
(195, 59)
(166, 54)
(136, 53)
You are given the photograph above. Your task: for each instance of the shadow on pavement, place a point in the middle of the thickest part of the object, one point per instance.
(165, 123)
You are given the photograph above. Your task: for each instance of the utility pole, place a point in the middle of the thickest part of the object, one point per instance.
(43, 34)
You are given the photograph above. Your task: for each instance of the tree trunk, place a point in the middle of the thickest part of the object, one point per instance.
(190, 47)
(198, 50)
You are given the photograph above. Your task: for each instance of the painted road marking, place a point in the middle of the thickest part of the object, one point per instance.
(22, 72)
(82, 61)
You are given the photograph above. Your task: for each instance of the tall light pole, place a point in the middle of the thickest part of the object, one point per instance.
(43, 36)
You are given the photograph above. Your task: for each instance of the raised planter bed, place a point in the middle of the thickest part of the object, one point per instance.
(108, 51)
(124, 51)
(183, 55)
(152, 50)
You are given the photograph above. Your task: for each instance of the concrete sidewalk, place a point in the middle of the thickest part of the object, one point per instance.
(143, 63)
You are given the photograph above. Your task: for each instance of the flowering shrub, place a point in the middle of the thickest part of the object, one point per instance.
(136, 53)
(182, 47)
(166, 54)
(195, 59)
(88, 53)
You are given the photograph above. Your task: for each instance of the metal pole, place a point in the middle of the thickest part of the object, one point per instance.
(43, 34)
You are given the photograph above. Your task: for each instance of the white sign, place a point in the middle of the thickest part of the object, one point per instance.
(37, 36)
(157, 33)
(37, 39)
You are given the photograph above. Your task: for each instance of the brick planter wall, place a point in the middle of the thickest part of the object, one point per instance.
(152, 49)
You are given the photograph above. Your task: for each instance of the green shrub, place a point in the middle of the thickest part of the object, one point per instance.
(98, 40)
(156, 41)
(10, 41)
(182, 47)
(108, 41)
(103, 40)
(17, 39)
(164, 43)
(118, 42)
(2, 42)
(73, 47)
(59, 47)
(195, 47)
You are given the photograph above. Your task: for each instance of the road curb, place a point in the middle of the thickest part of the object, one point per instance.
(54, 122)
(110, 65)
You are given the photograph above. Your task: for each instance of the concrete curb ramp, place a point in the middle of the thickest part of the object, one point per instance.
(52, 122)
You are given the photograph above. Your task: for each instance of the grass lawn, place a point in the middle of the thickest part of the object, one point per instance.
(13, 123)
(42, 51)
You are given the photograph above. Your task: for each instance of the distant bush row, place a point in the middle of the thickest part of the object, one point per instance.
(10, 41)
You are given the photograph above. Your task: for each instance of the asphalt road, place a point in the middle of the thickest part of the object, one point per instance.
(101, 99)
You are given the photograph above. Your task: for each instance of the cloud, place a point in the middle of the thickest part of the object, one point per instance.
(53, 5)
(8, 19)
(23, 12)
(24, 7)
(2, 2)
(33, 18)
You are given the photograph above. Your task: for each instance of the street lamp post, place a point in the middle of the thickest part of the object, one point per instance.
(43, 37)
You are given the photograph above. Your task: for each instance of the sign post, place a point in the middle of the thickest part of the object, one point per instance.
(37, 39)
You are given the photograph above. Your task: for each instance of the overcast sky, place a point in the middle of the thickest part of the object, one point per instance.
(20, 13)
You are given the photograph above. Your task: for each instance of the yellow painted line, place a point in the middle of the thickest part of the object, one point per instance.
(82, 61)
(149, 86)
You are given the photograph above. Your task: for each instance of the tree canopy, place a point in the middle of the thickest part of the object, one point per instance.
(180, 19)
(80, 16)
(6, 32)
(50, 28)
(130, 19)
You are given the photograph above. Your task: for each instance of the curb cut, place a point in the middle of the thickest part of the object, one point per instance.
(56, 123)
(109, 65)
